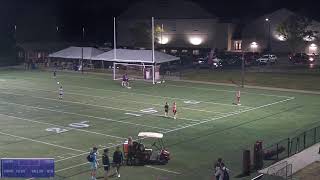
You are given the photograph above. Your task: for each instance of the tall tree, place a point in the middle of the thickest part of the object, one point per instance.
(296, 30)
(142, 34)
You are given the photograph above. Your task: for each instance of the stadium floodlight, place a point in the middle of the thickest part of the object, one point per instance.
(195, 41)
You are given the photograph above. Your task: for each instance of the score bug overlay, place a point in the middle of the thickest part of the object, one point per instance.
(27, 168)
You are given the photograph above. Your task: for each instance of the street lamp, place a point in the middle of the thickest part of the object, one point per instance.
(269, 34)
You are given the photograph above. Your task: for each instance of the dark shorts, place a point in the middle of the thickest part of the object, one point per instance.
(166, 110)
(174, 111)
(106, 168)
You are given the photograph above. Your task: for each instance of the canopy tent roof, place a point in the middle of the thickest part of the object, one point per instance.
(73, 52)
(151, 135)
(134, 56)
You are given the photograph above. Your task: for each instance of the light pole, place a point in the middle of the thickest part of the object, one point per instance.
(82, 49)
(269, 35)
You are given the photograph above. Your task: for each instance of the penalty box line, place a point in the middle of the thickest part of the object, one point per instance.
(148, 95)
(184, 127)
(41, 142)
(87, 104)
(77, 114)
(104, 97)
(228, 115)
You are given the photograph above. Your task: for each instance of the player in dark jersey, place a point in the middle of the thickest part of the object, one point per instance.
(166, 109)
(125, 81)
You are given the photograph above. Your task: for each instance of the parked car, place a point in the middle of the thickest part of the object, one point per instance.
(268, 58)
(251, 58)
(206, 63)
(301, 58)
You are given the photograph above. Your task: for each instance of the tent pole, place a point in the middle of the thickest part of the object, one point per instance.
(114, 71)
(153, 73)
(152, 39)
(114, 39)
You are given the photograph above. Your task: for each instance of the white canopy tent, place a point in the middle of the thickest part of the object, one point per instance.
(147, 59)
(74, 52)
(135, 56)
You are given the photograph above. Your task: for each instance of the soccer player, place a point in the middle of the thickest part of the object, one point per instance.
(166, 109)
(94, 163)
(174, 110)
(60, 92)
(238, 94)
(54, 73)
(125, 80)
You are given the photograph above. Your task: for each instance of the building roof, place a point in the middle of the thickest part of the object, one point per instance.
(167, 9)
(73, 52)
(135, 56)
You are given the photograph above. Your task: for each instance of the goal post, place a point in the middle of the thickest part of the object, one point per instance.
(135, 71)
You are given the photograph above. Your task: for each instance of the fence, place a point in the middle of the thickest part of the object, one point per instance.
(288, 147)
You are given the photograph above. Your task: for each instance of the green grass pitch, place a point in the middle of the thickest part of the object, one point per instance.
(35, 123)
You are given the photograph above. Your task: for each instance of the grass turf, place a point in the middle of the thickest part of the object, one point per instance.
(301, 79)
(209, 128)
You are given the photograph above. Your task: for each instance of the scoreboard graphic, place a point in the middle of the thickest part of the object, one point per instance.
(27, 167)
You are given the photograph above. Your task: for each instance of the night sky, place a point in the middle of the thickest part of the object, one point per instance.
(37, 18)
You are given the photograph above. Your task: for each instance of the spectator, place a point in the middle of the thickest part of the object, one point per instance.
(130, 151)
(106, 163)
(222, 172)
(117, 160)
(94, 163)
(217, 167)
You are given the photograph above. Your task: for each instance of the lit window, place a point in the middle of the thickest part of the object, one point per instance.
(39, 55)
(184, 51)
(237, 45)
(163, 50)
(196, 52)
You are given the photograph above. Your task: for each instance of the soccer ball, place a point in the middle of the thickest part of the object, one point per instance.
(163, 81)
(58, 82)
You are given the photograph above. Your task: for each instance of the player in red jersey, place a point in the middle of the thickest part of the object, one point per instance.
(174, 110)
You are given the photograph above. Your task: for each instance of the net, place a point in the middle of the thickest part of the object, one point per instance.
(142, 72)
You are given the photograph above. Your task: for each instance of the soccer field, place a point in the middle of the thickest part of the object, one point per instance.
(97, 111)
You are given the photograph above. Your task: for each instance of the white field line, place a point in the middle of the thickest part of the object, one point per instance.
(164, 97)
(182, 86)
(70, 128)
(41, 142)
(221, 90)
(161, 169)
(106, 107)
(184, 127)
(127, 100)
(228, 115)
(84, 115)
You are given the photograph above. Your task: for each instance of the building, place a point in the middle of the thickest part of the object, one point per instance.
(181, 26)
(261, 35)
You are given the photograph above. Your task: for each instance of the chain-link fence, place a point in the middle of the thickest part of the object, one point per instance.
(290, 146)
